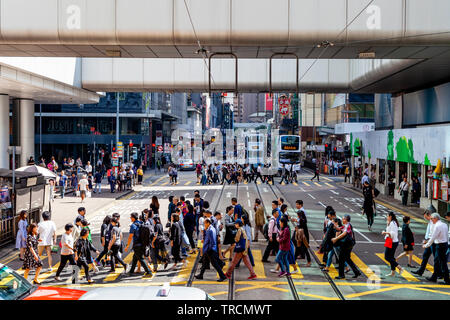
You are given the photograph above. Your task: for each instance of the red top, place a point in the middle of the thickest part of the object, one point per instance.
(284, 239)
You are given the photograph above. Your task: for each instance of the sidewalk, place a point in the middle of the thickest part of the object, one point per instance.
(413, 212)
(65, 210)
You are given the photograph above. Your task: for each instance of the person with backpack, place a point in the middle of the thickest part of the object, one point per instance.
(301, 234)
(141, 238)
(330, 247)
(147, 231)
(175, 240)
(368, 205)
(347, 241)
(105, 233)
(114, 245)
(241, 251)
(271, 236)
(230, 231)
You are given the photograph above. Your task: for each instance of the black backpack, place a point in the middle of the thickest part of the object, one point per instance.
(144, 235)
(266, 229)
(376, 192)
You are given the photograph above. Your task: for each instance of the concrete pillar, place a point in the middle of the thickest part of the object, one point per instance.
(408, 177)
(377, 170)
(4, 131)
(23, 128)
(352, 174)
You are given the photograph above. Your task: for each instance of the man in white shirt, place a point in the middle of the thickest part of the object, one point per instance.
(364, 179)
(82, 186)
(67, 253)
(88, 167)
(427, 252)
(403, 190)
(47, 237)
(272, 232)
(440, 240)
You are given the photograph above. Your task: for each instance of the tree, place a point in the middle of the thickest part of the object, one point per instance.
(426, 160)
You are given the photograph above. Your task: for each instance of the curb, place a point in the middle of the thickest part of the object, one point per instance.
(125, 194)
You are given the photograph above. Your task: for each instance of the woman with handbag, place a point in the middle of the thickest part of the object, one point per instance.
(284, 240)
(391, 242)
(241, 251)
(21, 237)
(158, 243)
(175, 240)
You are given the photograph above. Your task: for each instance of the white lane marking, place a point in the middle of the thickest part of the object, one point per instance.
(358, 232)
(248, 195)
(186, 194)
(334, 192)
(205, 194)
(352, 210)
(311, 196)
(266, 190)
(228, 194)
(341, 203)
(345, 206)
(322, 204)
(301, 188)
(249, 204)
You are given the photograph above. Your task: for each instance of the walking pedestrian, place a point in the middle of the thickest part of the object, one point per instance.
(407, 241)
(154, 206)
(32, 260)
(82, 187)
(47, 237)
(259, 218)
(21, 237)
(440, 239)
(138, 245)
(347, 241)
(210, 252)
(391, 242)
(230, 231)
(368, 205)
(83, 258)
(158, 243)
(272, 245)
(316, 172)
(114, 245)
(189, 226)
(175, 239)
(105, 238)
(301, 233)
(248, 231)
(67, 253)
(98, 182)
(283, 238)
(241, 251)
(140, 173)
(62, 183)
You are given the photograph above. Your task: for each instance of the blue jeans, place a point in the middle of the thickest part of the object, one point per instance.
(63, 191)
(282, 259)
(98, 188)
(330, 258)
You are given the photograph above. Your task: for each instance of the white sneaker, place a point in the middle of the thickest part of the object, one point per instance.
(390, 275)
(273, 271)
(96, 269)
(294, 271)
(57, 279)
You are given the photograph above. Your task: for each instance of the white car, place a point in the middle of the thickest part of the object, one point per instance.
(186, 164)
(165, 292)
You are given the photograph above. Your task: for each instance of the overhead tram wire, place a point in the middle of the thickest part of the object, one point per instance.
(201, 49)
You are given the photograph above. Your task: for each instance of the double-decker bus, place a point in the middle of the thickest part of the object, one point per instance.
(289, 150)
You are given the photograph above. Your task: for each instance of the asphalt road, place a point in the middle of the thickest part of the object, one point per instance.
(309, 282)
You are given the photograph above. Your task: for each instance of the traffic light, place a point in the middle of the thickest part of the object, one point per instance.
(327, 148)
(347, 153)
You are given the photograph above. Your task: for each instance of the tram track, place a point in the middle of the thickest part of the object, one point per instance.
(289, 278)
(325, 274)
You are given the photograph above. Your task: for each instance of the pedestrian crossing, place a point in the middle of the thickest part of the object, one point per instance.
(104, 276)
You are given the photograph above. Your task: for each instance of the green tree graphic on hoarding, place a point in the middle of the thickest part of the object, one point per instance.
(426, 161)
(355, 145)
(390, 145)
(351, 143)
(405, 150)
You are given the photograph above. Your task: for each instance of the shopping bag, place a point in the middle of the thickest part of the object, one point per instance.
(77, 193)
(88, 194)
(388, 243)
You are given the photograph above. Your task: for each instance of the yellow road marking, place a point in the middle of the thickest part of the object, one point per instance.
(419, 261)
(259, 266)
(429, 290)
(302, 293)
(329, 184)
(114, 275)
(365, 293)
(305, 183)
(158, 180)
(364, 268)
(258, 182)
(45, 275)
(295, 183)
(405, 274)
(325, 178)
(283, 183)
(184, 273)
(188, 183)
(297, 275)
(317, 184)
(10, 258)
(165, 183)
(332, 270)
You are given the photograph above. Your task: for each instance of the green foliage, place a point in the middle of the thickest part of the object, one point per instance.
(369, 154)
(355, 145)
(351, 143)
(390, 145)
